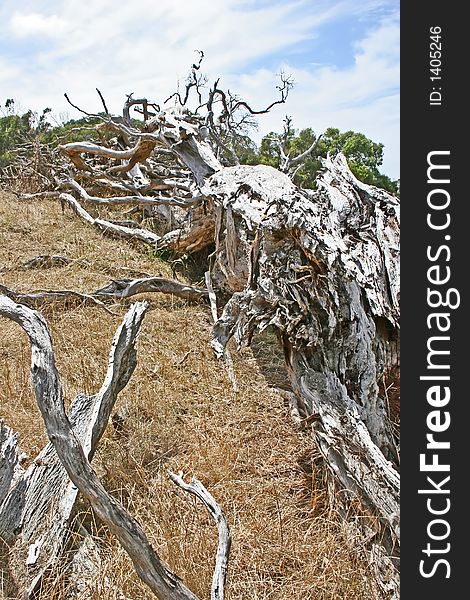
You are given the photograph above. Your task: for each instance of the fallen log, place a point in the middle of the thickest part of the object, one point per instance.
(45, 488)
(117, 289)
(321, 267)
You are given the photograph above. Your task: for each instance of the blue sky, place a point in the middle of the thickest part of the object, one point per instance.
(343, 56)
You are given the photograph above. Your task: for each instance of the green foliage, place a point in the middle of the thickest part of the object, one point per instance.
(18, 129)
(74, 130)
(78, 130)
(364, 156)
(246, 150)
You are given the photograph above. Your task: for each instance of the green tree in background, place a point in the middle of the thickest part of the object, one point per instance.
(17, 129)
(364, 156)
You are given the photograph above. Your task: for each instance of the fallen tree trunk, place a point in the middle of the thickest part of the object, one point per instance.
(45, 487)
(72, 442)
(320, 267)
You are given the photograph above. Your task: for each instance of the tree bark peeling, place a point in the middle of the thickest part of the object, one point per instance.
(321, 267)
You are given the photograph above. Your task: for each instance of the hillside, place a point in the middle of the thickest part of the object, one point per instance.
(180, 413)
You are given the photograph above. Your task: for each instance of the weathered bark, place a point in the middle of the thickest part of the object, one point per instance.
(64, 466)
(195, 232)
(139, 153)
(117, 289)
(322, 268)
(134, 233)
(137, 199)
(226, 355)
(125, 288)
(183, 138)
(36, 505)
(61, 297)
(10, 469)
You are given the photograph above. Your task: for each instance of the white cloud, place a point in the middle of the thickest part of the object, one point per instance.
(147, 48)
(363, 97)
(8, 72)
(35, 24)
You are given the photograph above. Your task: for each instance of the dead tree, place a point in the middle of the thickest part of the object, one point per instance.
(319, 266)
(37, 504)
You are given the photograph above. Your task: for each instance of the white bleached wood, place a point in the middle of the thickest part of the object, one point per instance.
(196, 488)
(44, 297)
(117, 289)
(322, 267)
(143, 235)
(138, 154)
(125, 288)
(72, 454)
(10, 469)
(226, 355)
(136, 199)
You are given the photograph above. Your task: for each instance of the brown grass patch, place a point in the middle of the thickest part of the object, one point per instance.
(181, 414)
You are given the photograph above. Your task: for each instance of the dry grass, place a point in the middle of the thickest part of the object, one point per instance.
(181, 414)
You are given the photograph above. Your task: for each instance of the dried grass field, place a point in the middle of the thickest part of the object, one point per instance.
(180, 414)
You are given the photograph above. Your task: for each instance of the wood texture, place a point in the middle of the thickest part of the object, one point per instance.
(63, 467)
(320, 267)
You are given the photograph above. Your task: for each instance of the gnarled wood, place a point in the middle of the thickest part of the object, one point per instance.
(322, 268)
(135, 233)
(116, 289)
(62, 297)
(139, 153)
(136, 199)
(319, 266)
(72, 451)
(125, 288)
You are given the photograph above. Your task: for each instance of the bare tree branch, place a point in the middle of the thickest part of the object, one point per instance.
(79, 109)
(137, 199)
(150, 568)
(44, 297)
(196, 488)
(143, 235)
(193, 81)
(297, 160)
(103, 101)
(130, 102)
(139, 153)
(125, 288)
